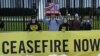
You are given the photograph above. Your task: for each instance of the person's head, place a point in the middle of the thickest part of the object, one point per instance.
(76, 16)
(53, 16)
(68, 15)
(33, 21)
(65, 20)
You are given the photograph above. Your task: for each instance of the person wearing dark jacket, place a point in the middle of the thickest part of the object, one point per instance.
(76, 23)
(64, 26)
(86, 24)
(33, 26)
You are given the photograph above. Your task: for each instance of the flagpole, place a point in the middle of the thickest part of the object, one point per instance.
(41, 9)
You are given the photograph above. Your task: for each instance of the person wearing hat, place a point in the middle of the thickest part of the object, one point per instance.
(76, 22)
(33, 25)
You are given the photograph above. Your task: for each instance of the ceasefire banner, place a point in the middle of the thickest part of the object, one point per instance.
(69, 43)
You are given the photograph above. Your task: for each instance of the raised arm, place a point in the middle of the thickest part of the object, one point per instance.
(60, 19)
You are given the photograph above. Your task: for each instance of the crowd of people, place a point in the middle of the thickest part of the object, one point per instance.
(61, 23)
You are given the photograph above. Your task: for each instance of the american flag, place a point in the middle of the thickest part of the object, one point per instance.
(52, 8)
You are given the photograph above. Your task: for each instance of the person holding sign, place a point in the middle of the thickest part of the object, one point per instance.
(53, 22)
